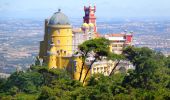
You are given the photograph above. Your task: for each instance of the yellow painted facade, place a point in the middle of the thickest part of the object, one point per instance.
(61, 36)
(52, 57)
(56, 49)
(71, 63)
(78, 69)
(58, 45)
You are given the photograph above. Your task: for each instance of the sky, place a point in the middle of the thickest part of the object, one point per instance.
(106, 9)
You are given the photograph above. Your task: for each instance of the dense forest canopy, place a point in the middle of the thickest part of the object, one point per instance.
(150, 80)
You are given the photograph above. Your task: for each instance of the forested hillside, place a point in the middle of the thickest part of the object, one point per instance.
(149, 81)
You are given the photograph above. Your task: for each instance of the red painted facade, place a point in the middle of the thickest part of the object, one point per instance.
(90, 16)
(128, 38)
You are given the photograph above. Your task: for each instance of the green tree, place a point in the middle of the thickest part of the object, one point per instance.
(96, 48)
(149, 81)
(2, 82)
(151, 71)
(167, 61)
(46, 93)
(117, 58)
(24, 81)
(37, 61)
(13, 91)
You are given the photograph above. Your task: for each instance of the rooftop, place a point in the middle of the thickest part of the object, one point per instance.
(59, 18)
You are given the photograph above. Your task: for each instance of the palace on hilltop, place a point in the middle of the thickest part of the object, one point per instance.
(61, 41)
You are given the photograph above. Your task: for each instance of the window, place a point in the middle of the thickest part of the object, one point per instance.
(58, 41)
(94, 69)
(58, 31)
(65, 52)
(114, 45)
(87, 12)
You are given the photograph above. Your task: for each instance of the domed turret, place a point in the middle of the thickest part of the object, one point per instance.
(85, 25)
(60, 32)
(91, 24)
(59, 18)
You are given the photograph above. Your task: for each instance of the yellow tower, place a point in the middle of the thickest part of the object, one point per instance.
(56, 48)
(60, 32)
(52, 57)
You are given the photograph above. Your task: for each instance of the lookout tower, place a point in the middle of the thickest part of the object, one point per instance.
(90, 16)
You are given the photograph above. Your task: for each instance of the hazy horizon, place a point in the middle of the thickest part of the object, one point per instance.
(106, 9)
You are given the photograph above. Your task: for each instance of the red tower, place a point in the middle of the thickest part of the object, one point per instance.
(90, 16)
(129, 38)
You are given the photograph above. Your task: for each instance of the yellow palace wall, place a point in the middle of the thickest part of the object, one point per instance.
(61, 36)
(60, 56)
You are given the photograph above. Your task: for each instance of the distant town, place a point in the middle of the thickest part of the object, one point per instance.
(19, 38)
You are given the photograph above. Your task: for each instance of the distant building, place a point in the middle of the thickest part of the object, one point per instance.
(119, 41)
(124, 66)
(105, 67)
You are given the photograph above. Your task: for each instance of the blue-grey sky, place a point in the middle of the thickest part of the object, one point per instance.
(74, 8)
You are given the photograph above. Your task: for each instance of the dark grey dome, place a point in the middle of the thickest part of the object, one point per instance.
(59, 18)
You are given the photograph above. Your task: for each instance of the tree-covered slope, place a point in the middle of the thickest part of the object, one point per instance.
(149, 81)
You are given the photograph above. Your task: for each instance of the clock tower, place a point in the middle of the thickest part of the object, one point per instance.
(90, 16)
